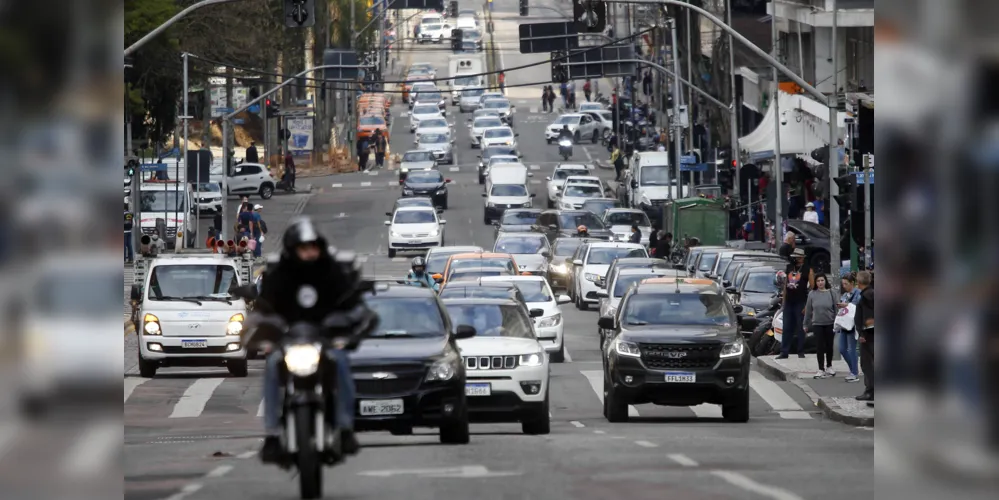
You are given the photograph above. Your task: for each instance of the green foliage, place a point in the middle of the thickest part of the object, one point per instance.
(151, 84)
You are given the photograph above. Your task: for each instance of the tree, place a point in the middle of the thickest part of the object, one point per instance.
(151, 87)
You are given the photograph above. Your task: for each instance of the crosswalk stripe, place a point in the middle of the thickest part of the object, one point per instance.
(779, 400)
(706, 410)
(338, 185)
(131, 383)
(194, 399)
(596, 379)
(94, 450)
(365, 184)
(260, 409)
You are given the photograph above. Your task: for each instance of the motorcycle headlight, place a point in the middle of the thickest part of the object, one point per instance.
(550, 321)
(627, 349)
(590, 277)
(732, 349)
(533, 359)
(302, 360)
(151, 325)
(565, 143)
(443, 369)
(235, 324)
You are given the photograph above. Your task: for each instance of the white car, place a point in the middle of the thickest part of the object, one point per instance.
(593, 265)
(506, 368)
(590, 106)
(418, 87)
(561, 172)
(438, 144)
(429, 68)
(430, 96)
(620, 220)
(423, 112)
(490, 95)
(529, 249)
(414, 228)
(574, 194)
(437, 125)
(497, 159)
(605, 119)
(250, 178)
(498, 136)
(209, 196)
(582, 126)
(433, 32)
(549, 326)
(480, 124)
(503, 106)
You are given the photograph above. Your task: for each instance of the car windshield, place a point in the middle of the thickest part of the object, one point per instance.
(707, 261)
(417, 72)
(372, 120)
(209, 187)
(151, 200)
(478, 272)
(414, 156)
(508, 190)
(598, 207)
(579, 191)
(499, 151)
(572, 220)
(73, 295)
(495, 160)
(415, 217)
(586, 106)
(760, 282)
(487, 122)
(200, 281)
(474, 291)
(434, 123)
(436, 261)
(723, 263)
(496, 104)
(432, 27)
(406, 317)
(563, 174)
(518, 217)
(499, 263)
(567, 120)
(472, 92)
(520, 244)
(655, 175)
(627, 219)
(622, 283)
(472, 33)
(498, 132)
(566, 246)
(426, 110)
(678, 309)
(466, 80)
(493, 320)
(606, 256)
(414, 202)
(432, 138)
(425, 177)
(425, 96)
(486, 112)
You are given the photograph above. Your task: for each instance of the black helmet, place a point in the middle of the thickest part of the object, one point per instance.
(301, 231)
(419, 262)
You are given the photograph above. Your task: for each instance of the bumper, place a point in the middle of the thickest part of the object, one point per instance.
(558, 280)
(423, 408)
(210, 206)
(551, 337)
(549, 135)
(586, 286)
(498, 210)
(414, 244)
(467, 107)
(508, 401)
(170, 351)
(650, 386)
(438, 199)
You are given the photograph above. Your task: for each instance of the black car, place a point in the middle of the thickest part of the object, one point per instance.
(675, 342)
(427, 183)
(516, 220)
(559, 267)
(493, 151)
(754, 293)
(559, 223)
(409, 373)
(815, 239)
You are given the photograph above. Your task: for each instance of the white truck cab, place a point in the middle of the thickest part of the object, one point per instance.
(650, 181)
(185, 314)
(173, 203)
(506, 187)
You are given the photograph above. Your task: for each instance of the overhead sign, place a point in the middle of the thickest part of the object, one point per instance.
(688, 160)
(548, 37)
(596, 63)
(696, 167)
(860, 177)
(253, 109)
(152, 167)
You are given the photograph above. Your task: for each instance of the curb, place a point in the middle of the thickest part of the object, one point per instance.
(829, 408)
(600, 164)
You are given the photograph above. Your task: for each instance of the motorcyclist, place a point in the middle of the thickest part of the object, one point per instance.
(307, 284)
(418, 274)
(565, 133)
(582, 232)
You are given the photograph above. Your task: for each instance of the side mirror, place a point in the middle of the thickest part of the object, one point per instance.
(546, 254)
(480, 157)
(602, 294)
(519, 154)
(577, 262)
(464, 332)
(437, 277)
(737, 308)
(136, 292)
(607, 323)
(388, 223)
(484, 195)
(726, 284)
(496, 223)
(533, 195)
(548, 178)
(563, 299)
(443, 222)
(440, 210)
(245, 292)
(537, 313)
(592, 295)
(516, 135)
(388, 214)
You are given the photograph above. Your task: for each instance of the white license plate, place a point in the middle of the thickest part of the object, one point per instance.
(382, 407)
(194, 344)
(478, 390)
(681, 377)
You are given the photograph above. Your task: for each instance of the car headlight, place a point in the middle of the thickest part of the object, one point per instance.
(302, 360)
(490, 204)
(407, 191)
(732, 349)
(645, 200)
(393, 234)
(533, 359)
(442, 191)
(748, 311)
(611, 311)
(590, 277)
(151, 325)
(558, 268)
(435, 232)
(405, 170)
(529, 204)
(443, 369)
(627, 349)
(235, 324)
(550, 321)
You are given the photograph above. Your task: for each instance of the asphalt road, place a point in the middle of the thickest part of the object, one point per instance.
(207, 449)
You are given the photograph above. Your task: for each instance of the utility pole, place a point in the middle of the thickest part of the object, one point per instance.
(834, 222)
(775, 103)
(677, 130)
(734, 117)
(690, 99)
(185, 117)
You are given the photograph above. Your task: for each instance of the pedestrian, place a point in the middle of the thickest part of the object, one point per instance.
(800, 278)
(259, 230)
(571, 100)
(251, 153)
(380, 147)
(129, 251)
(586, 89)
(810, 214)
(820, 315)
(501, 78)
(551, 99)
(245, 219)
(846, 315)
(636, 234)
(289, 170)
(654, 237)
(563, 91)
(363, 151)
(617, 160)
(647, 83)
(544, 98)
(864, 321)
(787, 247)
(664, 245)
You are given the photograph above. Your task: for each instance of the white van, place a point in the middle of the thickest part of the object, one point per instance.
(467, 23)
(506, 187)
(650, 180)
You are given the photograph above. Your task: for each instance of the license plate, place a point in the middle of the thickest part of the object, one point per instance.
(382, 407)
(478, 390)
(681, 377)
(194, 344)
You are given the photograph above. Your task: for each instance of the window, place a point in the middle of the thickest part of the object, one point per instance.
(415, 217)
(414, 202)
(476, 292)
(622, 283)
(521, 218)
(534, 291)
(520, 244)
(598, 207)
(249, 170)
(432, 27)
(606, 255)
(508, 190)
(563, 174)
(677, 309)
(495, 160)
(425, 177)
(492, 320)
(760, 282)
(434, 123)
(496, 104)
(487, 122)
(467, 80)
(209, 187)
(408, 317)
(572, 220)
(425, 96)
(579, 191)
(627, 219)
(472, 92)
(497, 132)
(568, 120)
(371, 120)
(426, 110)
(436, 262)
(203, 282)
(414, 156)
(476, 273)
(723, 263)
(432, 138)
(500, 263)
(151, 200)
(707, 261)
(654, 175)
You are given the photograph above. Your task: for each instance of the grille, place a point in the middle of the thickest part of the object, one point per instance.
(658, 203)
(663, 356)
(491, 362)
(386, 387)
(171, 231)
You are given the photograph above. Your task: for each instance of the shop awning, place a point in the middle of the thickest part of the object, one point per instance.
(804, 126)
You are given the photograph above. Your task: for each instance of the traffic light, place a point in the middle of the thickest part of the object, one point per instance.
(452, 9)
(523, 7)
(589, 18)
(272, 107)
(299, 13)
(130, 167)
(456, 39)
(559, 74)
(847, 196)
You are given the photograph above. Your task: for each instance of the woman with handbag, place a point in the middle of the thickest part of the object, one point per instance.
(844, 325)
(820, 315)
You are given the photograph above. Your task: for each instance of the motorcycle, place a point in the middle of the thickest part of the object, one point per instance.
(766, 337)
(565, 148)
(308, 372)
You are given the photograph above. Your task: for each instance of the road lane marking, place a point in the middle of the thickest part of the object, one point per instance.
(185, 492)
(568, 358)
(94, 450)
(706, 410)
(399, 259)
(587, 153)
(600, 432)
(596, 379)
(260, 409)
(454, 169)
(247, 454)
(219, 471)
(194, 399)
(131, 383)
(779, 400)
(338, 185)
(535, 167)
(646, 444)
(577, 424)
(365, 184)
(683, 460)
(741, 481)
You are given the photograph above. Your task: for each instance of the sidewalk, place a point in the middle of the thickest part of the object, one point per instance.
(833, 395)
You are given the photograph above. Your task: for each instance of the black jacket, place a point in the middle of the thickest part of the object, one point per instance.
(865, 311)
(636, 237)
(564, 134)
(287, 281)
(663, 248)
(251, 155)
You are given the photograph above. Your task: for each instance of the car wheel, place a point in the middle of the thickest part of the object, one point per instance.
(615, 410)
(391, 253)
(444, 205)
(596, 137)
(266, 191)
(485, 220)
(583, 306)
(147, 369)
(549, 141)
(738, 409)
(237, 367)
(455, 432)
(578, 304)
(541, 423)
(559, 355)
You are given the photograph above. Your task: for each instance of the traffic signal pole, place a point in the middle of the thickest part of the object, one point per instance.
(180, 15)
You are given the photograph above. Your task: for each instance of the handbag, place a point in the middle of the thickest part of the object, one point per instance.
(844, 317)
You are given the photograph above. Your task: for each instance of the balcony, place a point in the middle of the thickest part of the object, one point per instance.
(818, 13)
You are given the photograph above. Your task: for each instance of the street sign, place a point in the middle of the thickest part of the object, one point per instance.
(548, 37)
(693, 167)
(253, 109)
(341, 57)
(860, 177)
(301, 112)
(152, 167)
(238, 121)
(604, 62)
(688, 160)
(225, 110)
